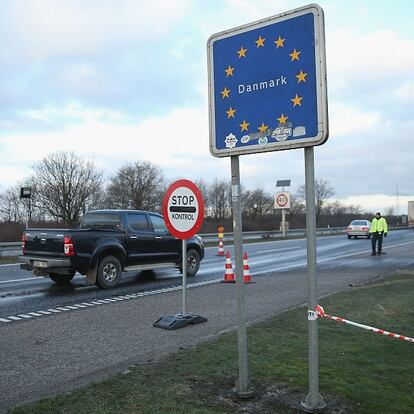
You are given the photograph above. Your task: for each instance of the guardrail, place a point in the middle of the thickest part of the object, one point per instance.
(14, 248)
(10, 248)
(272, 234)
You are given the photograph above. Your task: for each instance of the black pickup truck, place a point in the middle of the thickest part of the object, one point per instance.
(107, 243)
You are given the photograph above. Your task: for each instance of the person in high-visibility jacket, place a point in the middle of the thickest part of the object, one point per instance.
(378, 230)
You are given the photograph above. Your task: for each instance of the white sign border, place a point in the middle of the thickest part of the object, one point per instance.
(321, 86)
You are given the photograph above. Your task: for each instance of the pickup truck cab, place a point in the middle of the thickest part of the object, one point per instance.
(107, 243)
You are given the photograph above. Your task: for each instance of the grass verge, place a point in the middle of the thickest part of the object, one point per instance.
(360, 372)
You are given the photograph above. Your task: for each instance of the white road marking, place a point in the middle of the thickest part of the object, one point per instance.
(14, 318)
(19, 280)
(279, 250)
(9, 264)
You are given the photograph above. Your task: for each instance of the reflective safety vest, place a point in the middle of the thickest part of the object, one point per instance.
(379, 225)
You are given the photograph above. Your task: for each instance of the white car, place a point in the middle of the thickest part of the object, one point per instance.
(359, 228)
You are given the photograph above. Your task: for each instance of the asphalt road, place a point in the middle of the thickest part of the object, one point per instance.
(98, 332)
(21, 292)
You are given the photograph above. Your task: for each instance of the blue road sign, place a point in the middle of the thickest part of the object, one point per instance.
(267, 84)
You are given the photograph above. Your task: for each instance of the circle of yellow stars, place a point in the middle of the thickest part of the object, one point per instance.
(242, 53)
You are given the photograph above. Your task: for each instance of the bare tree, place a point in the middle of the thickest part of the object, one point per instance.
(219, 196)
(203, 187)
(322, 193)
(297, 205)
(67, 186)
(139, 185)
(11, 207)
(15, 209)
(257, 203)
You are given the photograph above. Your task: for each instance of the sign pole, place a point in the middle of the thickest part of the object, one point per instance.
(284, 223)
(184, 244)
(242, 385)
(313, 401)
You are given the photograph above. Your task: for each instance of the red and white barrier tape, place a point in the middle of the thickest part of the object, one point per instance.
(320, 313)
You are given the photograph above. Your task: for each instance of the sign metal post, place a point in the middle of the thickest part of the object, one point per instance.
(267, 92)
(26, 194)
(184, 247)
(242, 385)
(314, 400)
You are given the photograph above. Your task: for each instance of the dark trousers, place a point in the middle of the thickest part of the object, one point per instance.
(377, 236)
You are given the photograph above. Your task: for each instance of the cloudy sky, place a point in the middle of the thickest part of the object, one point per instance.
(126, 80)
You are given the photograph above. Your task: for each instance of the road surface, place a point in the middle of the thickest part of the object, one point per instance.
(98, 332)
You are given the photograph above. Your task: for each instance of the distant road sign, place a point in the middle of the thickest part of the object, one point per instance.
(267, 84)
(25, 192)
(282, 200)
(183, 209)
(283, 183)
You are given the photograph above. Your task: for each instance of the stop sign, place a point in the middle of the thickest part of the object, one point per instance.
(183, 209)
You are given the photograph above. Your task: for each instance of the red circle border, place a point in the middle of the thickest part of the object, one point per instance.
(183, 235)
(278, 196)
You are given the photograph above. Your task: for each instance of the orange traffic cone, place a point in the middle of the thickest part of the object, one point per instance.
(220, 251)
(246, 271)
(228, 270)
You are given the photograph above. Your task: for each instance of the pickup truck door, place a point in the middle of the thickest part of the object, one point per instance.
(167, 246)
(140, 239)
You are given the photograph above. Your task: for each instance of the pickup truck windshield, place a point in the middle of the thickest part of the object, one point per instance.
(101, 221)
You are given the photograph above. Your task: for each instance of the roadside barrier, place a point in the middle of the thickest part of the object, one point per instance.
(246, 271)
(220, 251)
(228, 270)
(319, 312)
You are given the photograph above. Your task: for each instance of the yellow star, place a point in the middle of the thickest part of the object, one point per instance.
(260, 41)
(229, 71)
(280, 42)
(282, 119)
(230, 113)
(225, 92)
(242, 52)
(297, 100)
(263, 127)
(244, 125)
(295, 55)
(301, 76)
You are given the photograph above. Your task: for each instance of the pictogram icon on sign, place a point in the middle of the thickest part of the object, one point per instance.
(183, 209)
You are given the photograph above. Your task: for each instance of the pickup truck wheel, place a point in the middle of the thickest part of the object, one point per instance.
(109, 272)
(193, 262)
(61, 279)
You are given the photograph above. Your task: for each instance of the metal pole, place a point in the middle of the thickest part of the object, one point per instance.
(184, 274)
(313, 401)
(27, 213)
(284, 223)
(242, 385)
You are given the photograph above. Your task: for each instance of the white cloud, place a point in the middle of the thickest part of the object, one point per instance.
(48, 28)
(348, 120)
(178, 141)
(380, 202)
(373, 56)
(405, 92)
